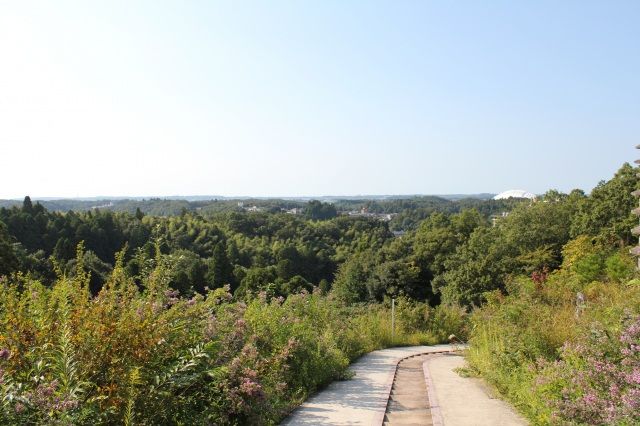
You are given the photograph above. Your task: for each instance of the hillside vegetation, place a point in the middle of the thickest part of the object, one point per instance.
(234, 317)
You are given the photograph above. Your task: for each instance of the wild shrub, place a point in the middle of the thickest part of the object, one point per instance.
(553, 347)
(140, 352)
(597, 379)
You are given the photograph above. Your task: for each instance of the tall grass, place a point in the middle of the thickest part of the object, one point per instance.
(143, 354)
(516, 338)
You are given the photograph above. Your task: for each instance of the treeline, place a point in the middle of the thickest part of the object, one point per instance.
(249, 251)
(453, 257)
(457, 258)
(160, 206)
(409, 210)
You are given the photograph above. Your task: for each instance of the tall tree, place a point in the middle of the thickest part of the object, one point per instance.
(219, 269)
(8, 259)
(27, 206)
(317, 210)
(607, 211)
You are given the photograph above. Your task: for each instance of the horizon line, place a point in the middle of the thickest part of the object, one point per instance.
(237, 197)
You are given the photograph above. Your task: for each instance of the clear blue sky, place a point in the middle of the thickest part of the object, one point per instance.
(315, 97)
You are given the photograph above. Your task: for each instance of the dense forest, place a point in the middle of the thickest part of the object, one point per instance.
(406, 211)
(213, 312)
(249, 250)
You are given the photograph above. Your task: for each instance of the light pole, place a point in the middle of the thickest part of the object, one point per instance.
(393, 319)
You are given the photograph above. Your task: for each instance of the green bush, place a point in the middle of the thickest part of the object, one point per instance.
(154, 356)
(619, 267)
(515, 338)
(590, 267)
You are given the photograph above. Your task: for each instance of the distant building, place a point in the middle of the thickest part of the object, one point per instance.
(496, 217)
(365, 213)
(515, 193)
(103, 206)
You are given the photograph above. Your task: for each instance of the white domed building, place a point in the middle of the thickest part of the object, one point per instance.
(515, 193)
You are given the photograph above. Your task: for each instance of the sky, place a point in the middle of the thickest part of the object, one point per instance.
(304, 98)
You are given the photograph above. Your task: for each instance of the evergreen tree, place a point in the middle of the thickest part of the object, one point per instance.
(8, 259)
(27, 206)
(219, 269)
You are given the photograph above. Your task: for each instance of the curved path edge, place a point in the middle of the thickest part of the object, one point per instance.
(434, 406)
(462, 401)
(363, 399)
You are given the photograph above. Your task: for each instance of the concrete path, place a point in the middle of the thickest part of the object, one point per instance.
(432, 395)
(363, 399)
(460, 401)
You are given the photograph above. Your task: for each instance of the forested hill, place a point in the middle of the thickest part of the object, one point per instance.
(236, 316)
(247, 247)
(451, 249)
(166, 206)
(409, 208)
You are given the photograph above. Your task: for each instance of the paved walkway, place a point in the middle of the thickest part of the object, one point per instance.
(363, 399)
(452, 400)
(409, 400)
(464, 401)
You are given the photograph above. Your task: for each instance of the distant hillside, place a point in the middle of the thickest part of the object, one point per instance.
(403, 212)
(174, 204)
(454, 197)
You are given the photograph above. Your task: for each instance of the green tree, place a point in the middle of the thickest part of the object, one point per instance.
(8, 259)
(536, 232)
(295, 285)
(607, 211)
(27, 205)
(219, 269)
(479, 265)
(350, 285)
(436, 240)
(317, 210)
(99, 271)
(256, 280)
(187, 272)
(395, 278)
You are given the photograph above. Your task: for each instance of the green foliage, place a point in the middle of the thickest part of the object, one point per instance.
(188, 272)
(478, 266)
(204, 252)
(516, 338)
(93, 337)
(607, 212)
(317, 210)
(619, 267)
(453, 255)
(8, 258)
(350, 285)
(590, 267)
(147, 355)
(219, 268)
(530, 239)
